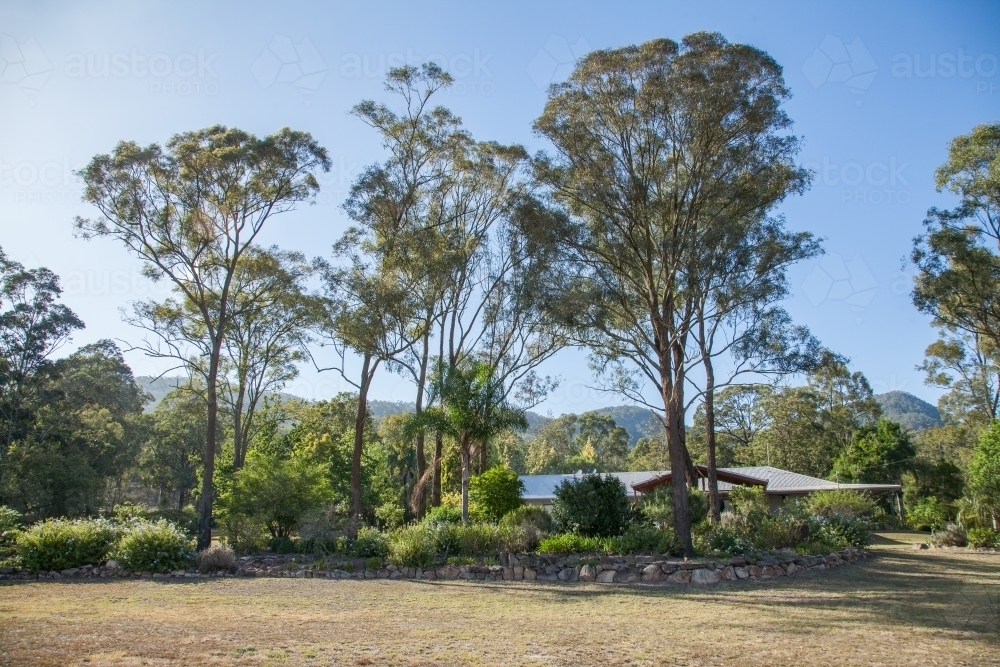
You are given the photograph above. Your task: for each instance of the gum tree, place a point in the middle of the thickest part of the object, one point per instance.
(190, 210)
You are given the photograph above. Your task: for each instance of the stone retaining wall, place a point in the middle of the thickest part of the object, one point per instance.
(513, 567)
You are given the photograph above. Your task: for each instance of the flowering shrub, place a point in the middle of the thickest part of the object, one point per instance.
(153, 547)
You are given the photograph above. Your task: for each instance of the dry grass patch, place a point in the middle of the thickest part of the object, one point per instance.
(904, 607)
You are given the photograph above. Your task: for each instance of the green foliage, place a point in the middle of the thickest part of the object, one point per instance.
(532, 515)
(645, 539)
(984, 538)
(728, 540)
(276, 492)
(569, 543)
(929, 513)
(841, 531)
(443, 514)
(658, 506)
(390, 515)
(984, 470)
(412, 546)
(749, 502)
(57, 544)
(153, 547)
(842, 502)
(370, 543)
(593, 506)
(496, 492)
(282, 545)
(10, 528)
(877, 454)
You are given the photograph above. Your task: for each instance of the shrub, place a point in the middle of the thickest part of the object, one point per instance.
(216, 557)
(244, 535)
(984, 538)
(447, 537)
(443, 514)
(645, 539)
(153, 547)
(593, 506)
(953, 535)
(520, 538)
(749, 503)
(658, 506)
(841, 531)
(282, 545)
(390, 515)
(412, 546)
(496, 492)
(929, 514)
(840, 501)
(185, 519)
(569, 543)
(57, 544)
(373, 563)
(10, 528)
(727, 540)
(529, 514)
(369, 543)
(479, 539)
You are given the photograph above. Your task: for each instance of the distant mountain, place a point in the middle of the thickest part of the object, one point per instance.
(160, 387)
(913, 413)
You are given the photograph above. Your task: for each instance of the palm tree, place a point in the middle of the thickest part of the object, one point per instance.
(472, 407)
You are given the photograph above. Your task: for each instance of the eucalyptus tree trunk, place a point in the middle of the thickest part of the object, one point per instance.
(466, 455)
(438, 452)
(367, 371)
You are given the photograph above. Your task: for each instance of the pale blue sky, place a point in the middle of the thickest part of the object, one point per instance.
(878, 90)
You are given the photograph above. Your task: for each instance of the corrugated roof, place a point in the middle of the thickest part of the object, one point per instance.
(542, 487)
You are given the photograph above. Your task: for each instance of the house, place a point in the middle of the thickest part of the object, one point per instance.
(779, 485)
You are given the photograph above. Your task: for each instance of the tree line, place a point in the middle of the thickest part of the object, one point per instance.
(647, 234)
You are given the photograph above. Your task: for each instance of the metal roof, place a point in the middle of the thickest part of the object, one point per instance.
(779, 482)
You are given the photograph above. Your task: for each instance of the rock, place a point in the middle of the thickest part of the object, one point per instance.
(738, 561)
(705, 576)
(588, 573)
(300, 574)
(448, 572)
(729, 573)
(565, 574)
(508, 574)
(518, 572)
(754, 571)
(178, 573)
(679, 577)
(668, 567)
(111, 565)
(792, 568)
(606, 576)
(529, 574)
(652, 573)
(628, 575)
(70, 571)
(767, 572)
(547, 576)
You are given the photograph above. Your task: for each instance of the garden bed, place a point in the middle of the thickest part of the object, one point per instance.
(513, 567)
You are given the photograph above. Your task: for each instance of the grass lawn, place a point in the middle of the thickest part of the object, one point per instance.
(903, 607)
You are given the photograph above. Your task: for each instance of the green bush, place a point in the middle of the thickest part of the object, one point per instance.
(571, 543)
(496, 492)
(840, 501)
(639, 539)
(529, 514)
(841, 531)
(443, 514)
(282, 545)
(412, 546)
(658, 506)
(370, 542)
(592, 506)
(479, 539)
(929, 514)
(57, 544)
(390, 515)
(749, 502)
(10, 528)
(153, 547)
(984, 538)
(727, 540)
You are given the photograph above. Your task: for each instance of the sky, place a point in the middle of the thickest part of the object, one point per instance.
(878, 90)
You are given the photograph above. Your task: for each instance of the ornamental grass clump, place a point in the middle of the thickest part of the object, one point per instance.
(953, 535)
(159, 546)
(58, 544)
(412, 546)
(218, 557)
